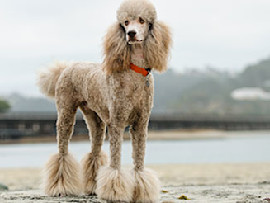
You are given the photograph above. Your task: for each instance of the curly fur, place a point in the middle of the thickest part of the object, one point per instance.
(91, 164)
(114, 185)
(156, 48)
(48, 78)
(147, 186)
(109, 94)
(62, 176)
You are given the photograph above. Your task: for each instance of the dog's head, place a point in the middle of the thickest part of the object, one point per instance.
(136, 18)
(136, 24)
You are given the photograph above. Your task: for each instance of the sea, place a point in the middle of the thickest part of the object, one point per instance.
(237, 149)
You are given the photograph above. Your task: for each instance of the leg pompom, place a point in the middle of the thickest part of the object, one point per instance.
(62, 176)
(147, 186)
(114, 185)
(90, 165)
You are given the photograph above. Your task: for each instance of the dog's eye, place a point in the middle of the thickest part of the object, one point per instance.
(141, 20)
(126, 23)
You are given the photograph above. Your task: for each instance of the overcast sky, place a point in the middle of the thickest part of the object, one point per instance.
(227, 34)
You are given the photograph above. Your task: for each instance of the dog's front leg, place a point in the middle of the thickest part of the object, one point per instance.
(113, 183)
(147, 185)
(62, 171)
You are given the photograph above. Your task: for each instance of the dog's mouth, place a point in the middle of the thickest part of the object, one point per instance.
(135, 41)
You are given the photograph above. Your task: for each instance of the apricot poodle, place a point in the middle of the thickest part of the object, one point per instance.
(114, 94)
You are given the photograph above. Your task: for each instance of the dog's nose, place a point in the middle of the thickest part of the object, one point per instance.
(132, 33)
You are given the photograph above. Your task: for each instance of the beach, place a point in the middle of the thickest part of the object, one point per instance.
(217, 182)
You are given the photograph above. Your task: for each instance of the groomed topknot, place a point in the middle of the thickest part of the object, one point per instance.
(132, 9)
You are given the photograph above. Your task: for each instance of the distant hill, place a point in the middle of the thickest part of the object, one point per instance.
(256, 75)
(213, 94)
(169, 87)
(22, 103)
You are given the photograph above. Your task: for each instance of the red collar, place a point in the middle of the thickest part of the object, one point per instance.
(143, 71)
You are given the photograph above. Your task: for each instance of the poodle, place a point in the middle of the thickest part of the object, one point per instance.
(114, 94)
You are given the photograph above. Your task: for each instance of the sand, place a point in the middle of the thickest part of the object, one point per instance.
(198, 182)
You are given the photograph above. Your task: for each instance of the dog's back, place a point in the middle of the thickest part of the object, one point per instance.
(81, 84)
(87, 86)
(48, 78)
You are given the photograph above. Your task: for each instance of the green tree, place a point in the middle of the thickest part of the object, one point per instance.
(4, 106)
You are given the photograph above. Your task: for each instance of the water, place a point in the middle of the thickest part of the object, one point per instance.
(229, 150)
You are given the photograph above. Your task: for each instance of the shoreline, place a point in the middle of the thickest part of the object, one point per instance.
(225, 182)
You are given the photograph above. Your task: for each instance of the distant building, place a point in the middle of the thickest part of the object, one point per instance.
(250, 94)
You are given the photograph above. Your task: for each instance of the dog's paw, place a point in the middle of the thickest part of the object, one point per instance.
(90, 166)
(62, 176)
(114, 185)
(147, 186)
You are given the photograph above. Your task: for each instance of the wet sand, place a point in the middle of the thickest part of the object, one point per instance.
(198, 182)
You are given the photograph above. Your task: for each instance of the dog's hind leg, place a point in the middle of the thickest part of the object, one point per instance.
(96, 158)
(114, 183)
(62, 172)
(147, 185)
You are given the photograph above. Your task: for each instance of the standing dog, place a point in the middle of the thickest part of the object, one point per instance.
(114, 94)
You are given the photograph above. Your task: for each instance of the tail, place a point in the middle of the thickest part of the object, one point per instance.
(47, 78)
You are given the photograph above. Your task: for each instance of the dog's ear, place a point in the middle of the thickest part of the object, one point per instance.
(157, 46)
(116, 50)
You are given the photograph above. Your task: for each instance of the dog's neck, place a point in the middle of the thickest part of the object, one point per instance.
(137, 56)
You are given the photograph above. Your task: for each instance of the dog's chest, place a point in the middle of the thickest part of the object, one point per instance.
(137, 58)
(131, 87)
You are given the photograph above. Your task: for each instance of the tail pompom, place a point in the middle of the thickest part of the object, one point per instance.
(48, 78)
